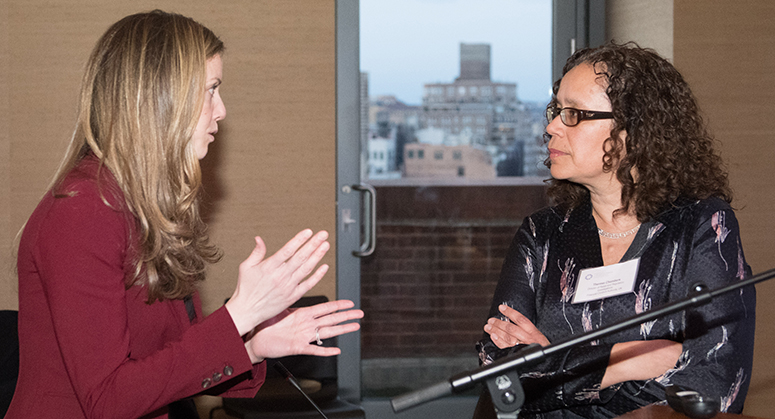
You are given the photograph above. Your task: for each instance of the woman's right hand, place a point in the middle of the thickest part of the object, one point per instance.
(518, 329)
(266, 287)
(296, 331)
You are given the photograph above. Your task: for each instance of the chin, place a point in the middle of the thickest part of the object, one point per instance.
(557, 173)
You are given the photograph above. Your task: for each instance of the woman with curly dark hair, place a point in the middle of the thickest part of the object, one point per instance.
(641, 213)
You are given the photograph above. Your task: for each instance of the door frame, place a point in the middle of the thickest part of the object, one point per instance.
(574, 22)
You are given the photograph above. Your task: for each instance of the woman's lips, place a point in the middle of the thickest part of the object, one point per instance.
(554, 153)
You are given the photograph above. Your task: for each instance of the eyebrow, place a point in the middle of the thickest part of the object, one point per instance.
(568, 103)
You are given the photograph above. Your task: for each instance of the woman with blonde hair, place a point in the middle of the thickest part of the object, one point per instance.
(110, 321)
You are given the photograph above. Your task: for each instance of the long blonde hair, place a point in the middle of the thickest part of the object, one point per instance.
(141, 97)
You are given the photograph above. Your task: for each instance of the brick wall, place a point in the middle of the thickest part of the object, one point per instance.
(427, 288)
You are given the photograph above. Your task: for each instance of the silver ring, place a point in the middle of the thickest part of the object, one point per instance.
(317, 336)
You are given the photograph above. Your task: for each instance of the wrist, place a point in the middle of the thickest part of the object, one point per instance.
(254, 359)
(238, 318)
(640, 360)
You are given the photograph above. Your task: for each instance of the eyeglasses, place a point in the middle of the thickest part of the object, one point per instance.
(572, 116)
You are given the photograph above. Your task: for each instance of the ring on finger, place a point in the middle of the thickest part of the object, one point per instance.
(317, 336)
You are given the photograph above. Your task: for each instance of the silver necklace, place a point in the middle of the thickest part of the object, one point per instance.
(608, 235)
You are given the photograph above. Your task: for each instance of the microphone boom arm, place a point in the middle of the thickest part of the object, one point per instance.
(506, 393)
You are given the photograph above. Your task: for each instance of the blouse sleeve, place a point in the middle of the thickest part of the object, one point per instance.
(717, 338)
(570, 377)
(81, 262)
(516, 286)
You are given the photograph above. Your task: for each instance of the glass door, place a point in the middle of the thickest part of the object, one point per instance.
(450, 104)
(454, 148)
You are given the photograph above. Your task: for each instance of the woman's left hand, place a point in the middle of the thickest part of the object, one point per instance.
(296, 331)
(519, 330)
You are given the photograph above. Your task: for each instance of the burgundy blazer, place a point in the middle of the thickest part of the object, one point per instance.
(90, 348)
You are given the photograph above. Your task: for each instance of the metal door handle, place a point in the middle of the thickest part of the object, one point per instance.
(370, 221)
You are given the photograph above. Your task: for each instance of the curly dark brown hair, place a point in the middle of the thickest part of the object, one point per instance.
(667, 141)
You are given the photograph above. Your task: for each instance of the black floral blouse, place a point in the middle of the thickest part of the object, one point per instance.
(694, 241)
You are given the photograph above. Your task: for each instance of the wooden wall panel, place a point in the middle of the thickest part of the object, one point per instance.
(726, 51)
(7, 273)
(275, 166)
(271, 171)
(647, 22)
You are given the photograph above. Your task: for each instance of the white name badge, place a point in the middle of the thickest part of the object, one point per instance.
(606, 281)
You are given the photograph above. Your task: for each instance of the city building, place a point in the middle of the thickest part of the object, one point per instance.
(438, 160)
(482, 121)
(382, 161)
(488, 113)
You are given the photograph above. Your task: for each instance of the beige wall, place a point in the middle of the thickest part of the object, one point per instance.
(647, 22)
(7, 277)
(271, 171)
(725, 51)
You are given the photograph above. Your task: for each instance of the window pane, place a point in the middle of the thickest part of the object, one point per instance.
(457, 74)
(465, 83)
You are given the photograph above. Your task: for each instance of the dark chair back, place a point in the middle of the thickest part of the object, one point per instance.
(9, 357)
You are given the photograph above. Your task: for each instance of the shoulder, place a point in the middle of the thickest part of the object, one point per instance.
(88, 180)
(698, 211)
(712, 205)
(84, 203)
(559, 215)
(553, 215)
(546, 222)
(710, 219)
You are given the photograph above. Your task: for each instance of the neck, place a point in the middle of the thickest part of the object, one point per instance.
(604, 202)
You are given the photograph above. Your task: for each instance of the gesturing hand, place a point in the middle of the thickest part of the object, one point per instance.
(505, 334)
(296, 331)
(265, 287)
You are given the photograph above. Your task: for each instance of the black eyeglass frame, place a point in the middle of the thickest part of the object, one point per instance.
(582, 114)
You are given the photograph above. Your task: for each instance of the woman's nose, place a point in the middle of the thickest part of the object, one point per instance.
(554, 126)
(220, 110)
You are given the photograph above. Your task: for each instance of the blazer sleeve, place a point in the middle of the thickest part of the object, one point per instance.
(80, 257)
(238, 388)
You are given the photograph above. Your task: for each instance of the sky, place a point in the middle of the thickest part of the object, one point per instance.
(407, 43)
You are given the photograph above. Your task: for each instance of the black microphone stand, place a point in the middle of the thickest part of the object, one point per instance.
(295, 383)
(502, 376)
